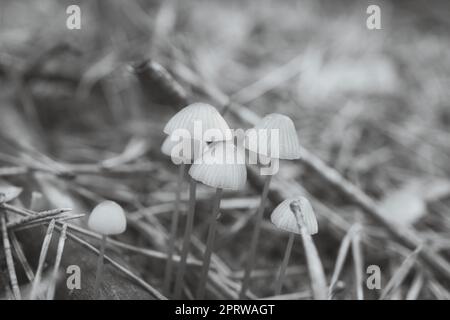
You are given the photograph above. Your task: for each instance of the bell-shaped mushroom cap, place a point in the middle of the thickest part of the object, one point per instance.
(201, 121)
(221, 166)
(182, 150)
(274, 136)
(285, 218)
(107, 218)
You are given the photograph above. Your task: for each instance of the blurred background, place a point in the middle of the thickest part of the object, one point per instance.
(372, 104)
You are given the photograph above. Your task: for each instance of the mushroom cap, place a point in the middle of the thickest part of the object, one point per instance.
(286, 143)
(286, 219)
(203, 116)
(182, 150)
(107, 218)
(221, 166)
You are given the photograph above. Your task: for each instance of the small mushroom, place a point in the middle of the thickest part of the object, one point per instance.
(286, 219)
(107, 218)
(222, 166)
(273, 138)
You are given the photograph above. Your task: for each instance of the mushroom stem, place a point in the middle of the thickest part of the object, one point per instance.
(173, 231)
(315, 268)
(179, 282)
(287, 255)
(209, 244)
(99, 273)
(255, 237)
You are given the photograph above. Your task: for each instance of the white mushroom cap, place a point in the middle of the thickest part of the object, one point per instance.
(107, 218)
(182, 150)
(201, 121)
(286, 219)
(221, 166)
(262, 140)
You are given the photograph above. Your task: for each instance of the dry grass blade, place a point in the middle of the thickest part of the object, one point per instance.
(315, 267)
(38, 216)
(21, 256)
(340, 260)
(42, 257)
(401, 273)
(59, 253)
(416, 287)
(9, 258)
(46, 220)
(358, 262)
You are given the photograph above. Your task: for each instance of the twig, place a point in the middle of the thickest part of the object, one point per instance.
(42, 257)
(59, 253)
(9, 258)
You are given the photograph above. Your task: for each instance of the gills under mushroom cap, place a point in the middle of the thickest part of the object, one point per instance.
(107, 218)
(221, 166)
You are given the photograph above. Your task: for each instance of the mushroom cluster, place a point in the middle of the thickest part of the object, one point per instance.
(221, 164)
(198, 136)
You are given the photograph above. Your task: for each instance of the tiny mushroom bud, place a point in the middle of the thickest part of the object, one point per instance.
(285, 218)
(201, 121)
(107, 218)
